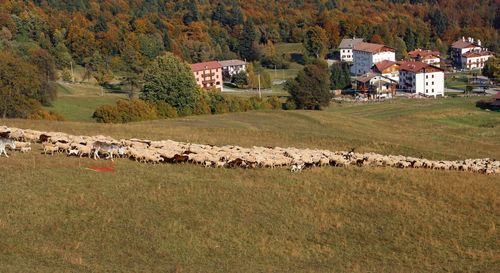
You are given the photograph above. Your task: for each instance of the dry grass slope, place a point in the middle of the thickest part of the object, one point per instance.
(55, 216)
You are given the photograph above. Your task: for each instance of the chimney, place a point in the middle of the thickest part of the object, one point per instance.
(478, 42)
(463, 38)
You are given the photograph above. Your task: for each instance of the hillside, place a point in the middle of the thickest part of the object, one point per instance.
(124, 34)
(58, 216)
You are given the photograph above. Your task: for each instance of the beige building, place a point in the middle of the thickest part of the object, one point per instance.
(208, 74)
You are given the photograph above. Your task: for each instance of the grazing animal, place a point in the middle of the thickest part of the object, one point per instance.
(43, 138)
(109, 149)
(73, 151)
(25, 149)
(297, 168)
(50, 148)
(4, 142)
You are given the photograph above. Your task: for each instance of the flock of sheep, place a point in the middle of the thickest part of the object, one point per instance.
(168, 151)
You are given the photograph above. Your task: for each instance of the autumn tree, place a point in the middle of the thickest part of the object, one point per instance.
(315, 42)
(20, 85)
(311, 88)
(171, 80)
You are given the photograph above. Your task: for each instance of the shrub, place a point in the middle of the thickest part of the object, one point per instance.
(107, 114)
(41, 114)
(165, 110)
(66, 75)
(290, 105)
(202, 106)
(240, 79)
(274, 102)
(125, 111)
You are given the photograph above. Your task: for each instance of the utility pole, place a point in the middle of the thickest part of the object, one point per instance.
(260, 94)
(72, 73)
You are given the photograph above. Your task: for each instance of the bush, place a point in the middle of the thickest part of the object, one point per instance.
(66, 75)
(274, 102)
(125, 111)
(290, 105)
(41, 114)
(240, 79)
(165, 110)
(202, 106)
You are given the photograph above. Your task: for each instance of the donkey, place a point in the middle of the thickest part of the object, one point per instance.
(4, 142)
(110, 149)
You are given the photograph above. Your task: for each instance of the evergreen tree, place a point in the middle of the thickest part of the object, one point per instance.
(220, 14)
(340, 77)
(246, 46)
(236, 16)
(311, 88)
(192, 14)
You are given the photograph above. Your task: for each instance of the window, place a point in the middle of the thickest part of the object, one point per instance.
(426, 76)
(426, 83)
(432, 83)
(432, 90)
(433, 76)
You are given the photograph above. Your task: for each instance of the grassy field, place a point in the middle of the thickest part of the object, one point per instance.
(77, 102)
(56, 216)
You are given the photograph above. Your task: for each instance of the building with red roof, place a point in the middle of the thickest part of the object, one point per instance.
(425, 56)
(467, 53)
(421, 78)
(366, 55)
(208, 74)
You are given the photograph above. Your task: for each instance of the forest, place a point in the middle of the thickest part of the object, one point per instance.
(122, 37)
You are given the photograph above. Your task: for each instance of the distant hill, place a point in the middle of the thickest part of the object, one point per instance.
(128, 33)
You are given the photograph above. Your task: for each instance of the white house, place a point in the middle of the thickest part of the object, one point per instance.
(421, 78)
(365, 55)
(346, 46)
(232, 67)
(475, 59)
(426, 56)
(467, 53)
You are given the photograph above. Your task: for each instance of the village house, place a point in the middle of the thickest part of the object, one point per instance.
(375, 86)
(208, 74)
(388, 69)
(421, 78)
(467, 53)
(365, 55)
(231, 68)
(346, 46)
(425, 56)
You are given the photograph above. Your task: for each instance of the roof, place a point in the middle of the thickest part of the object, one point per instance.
(383, 65)
(472, 54)
(372, 48)
(463, 44)
(366, 77)
(350, 43)
(423, 53)
(417, 67)
(206, 65)
(232, 63)
(497, 96)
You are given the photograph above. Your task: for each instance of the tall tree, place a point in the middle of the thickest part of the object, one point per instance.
(315, 42)
(247, 39)
(311, 88)
(20, 84)
(171, 80)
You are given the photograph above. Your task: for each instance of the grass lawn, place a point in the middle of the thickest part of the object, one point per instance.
(55, 216)
(77, 102)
